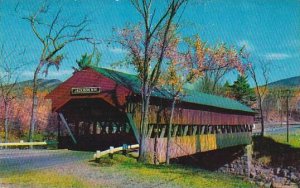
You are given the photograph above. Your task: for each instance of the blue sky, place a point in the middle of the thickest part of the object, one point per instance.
(270, 30)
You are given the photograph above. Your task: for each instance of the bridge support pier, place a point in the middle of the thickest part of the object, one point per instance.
(241, 164)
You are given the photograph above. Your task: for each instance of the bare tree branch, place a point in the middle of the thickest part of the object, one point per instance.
(56, 37)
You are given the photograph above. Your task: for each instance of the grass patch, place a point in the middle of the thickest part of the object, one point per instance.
(294, 138)
(42, 178)
(170, 176)
(12, 176)
(120, 170)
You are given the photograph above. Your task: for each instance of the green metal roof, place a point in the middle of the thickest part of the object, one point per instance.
(133, 83)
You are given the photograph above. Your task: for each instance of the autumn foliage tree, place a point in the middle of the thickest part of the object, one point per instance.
(220, 60)
(189, 65)
(184, 67)
(54, 36)
(8, 87)
(148, 45)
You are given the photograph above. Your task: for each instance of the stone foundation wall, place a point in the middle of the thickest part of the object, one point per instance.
(241, 165)
(233, 160)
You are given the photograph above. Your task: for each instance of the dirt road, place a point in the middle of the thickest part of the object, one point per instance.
(65, 162)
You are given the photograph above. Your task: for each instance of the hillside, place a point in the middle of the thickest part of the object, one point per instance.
(288, 82)
(44, 84)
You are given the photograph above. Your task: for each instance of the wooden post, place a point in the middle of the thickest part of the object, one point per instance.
(195, 127)
(98, 130)
(163, 131)
(133, 126)
(150, 130)
(186, 127)
(175, 130)
(111, 151)
(67, 127)
(203, 129)
(125, 148)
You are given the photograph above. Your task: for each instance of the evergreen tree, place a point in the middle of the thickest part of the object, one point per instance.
(87, 60)
(242, 92)
(227, 89)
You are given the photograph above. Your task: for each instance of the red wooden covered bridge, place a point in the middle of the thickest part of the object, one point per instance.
(99, 108)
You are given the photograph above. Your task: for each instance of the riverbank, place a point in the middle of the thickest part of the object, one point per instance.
(276, 162)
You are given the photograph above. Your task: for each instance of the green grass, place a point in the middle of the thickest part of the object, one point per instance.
(42, 178)
(172, 175)
(294, 138)
(48, 177)
(120, 170)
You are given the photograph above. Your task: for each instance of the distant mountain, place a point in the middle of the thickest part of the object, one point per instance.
(288, 82)
(43, 84)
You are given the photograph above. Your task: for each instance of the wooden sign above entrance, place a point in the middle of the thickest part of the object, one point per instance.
(85, 90)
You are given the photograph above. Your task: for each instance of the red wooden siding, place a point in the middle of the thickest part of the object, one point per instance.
(111, 92)
(116, 96)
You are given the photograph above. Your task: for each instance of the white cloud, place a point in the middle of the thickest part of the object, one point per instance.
(27, 74)
(276, 56)
(118, 50)
(245, 43)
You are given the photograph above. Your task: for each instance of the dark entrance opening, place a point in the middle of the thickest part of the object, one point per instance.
(95, 125)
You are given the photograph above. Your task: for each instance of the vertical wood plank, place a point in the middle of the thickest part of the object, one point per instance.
(163, 131)
(175, 128)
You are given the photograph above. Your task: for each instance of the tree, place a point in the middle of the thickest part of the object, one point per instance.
(227, 89)
(149, 44)
(88, 60)
(279, 101)
(173, 81)
(8, 82)
(261, 89)
(187, 67)
(54, 37)
(242, 92)
(220, 60)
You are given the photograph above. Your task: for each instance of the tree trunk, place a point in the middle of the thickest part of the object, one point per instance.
(6, 121)
(281, 116)
(34, 103)
(262, 117)
(144, 128)
(169, 133)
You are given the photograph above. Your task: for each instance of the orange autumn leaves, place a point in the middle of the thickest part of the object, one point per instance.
(199, 58)
(20, 110)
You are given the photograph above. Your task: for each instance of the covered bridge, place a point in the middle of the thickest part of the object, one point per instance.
(99, 108)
